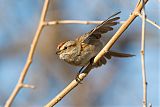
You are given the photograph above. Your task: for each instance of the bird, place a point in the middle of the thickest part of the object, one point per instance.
(83, 49)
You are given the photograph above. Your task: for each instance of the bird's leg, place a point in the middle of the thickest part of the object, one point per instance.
(77, 76)
(92, 60)
(80, 70)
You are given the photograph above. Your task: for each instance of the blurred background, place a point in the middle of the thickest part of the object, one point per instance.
(116, 84)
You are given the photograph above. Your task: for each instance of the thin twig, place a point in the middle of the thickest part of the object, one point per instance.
(28, 86)
(74, 22)
(143, 59)
(74, 83)
(150, 21)
(20, 83)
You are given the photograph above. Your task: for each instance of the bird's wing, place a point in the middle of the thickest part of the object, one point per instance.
(104, 27)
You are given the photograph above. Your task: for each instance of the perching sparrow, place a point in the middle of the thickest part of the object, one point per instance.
(80, 51)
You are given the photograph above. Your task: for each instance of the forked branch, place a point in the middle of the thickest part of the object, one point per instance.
(20, 83)
(150, 21)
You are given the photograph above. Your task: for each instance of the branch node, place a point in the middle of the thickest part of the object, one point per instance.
(136, 13)
(43, 23)
(151, 22)
(20, 85)
(78, 79)
(144, 102)
(142, 52)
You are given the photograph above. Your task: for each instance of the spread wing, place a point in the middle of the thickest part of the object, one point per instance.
(104, 27)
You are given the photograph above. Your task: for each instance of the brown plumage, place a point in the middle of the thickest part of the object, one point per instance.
(80, 51)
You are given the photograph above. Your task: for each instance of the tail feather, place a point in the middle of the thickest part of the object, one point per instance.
(109, 54)
(117, 54)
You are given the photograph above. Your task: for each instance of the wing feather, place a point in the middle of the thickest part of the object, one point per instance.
(102, 28)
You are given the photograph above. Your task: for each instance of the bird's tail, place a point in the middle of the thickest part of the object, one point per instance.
(110, 54)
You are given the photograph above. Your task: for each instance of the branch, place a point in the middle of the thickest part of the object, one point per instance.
(142, 58)
(151, 22)
(85, 72)
(74, 22)
(20, 83)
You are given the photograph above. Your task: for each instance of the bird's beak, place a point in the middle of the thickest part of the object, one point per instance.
(57, 52)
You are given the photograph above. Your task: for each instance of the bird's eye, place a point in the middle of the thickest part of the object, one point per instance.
(65, 48)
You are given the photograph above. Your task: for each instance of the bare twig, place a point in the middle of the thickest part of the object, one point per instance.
(151, 22)
(28, 86)
(143, 59)
(74, 83)
(74, 22)
(20, 83)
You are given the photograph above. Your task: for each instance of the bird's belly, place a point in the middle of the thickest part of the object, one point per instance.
(82, 60)
(84, 57)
